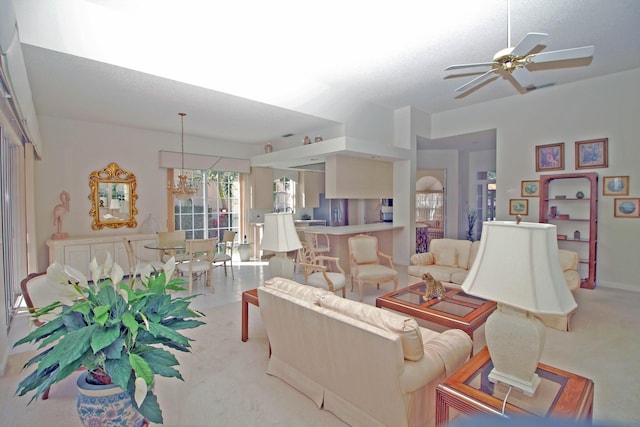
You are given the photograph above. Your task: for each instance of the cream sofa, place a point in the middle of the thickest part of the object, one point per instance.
(449, 261)
(368, 366)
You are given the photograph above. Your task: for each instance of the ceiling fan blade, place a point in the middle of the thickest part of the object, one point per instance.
(477, 64)
(523, 77)
(561, 55)
(481, 78)
(529, 41)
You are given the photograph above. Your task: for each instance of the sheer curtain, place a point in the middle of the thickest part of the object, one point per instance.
(10, 203)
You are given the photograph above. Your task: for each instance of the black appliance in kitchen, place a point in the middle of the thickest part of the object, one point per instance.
(334, 211)
(386, 210)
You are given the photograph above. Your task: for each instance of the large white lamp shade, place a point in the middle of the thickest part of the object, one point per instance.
(518, 267)
(280, 236)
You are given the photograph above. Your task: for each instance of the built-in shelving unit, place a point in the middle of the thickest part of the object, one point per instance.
(575, 216)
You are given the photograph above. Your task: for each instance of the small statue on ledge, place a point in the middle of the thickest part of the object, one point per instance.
(435, 289)
(58, 212)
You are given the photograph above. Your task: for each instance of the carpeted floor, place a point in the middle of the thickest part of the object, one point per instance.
(226, 385)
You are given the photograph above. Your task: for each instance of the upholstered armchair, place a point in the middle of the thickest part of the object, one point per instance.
(364, 261)
(321, 271)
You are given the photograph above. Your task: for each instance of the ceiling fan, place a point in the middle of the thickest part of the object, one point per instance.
(514, 60)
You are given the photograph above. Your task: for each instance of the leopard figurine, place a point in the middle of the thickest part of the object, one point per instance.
(435, 289)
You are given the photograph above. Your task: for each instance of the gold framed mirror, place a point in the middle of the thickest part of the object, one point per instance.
(113, 198)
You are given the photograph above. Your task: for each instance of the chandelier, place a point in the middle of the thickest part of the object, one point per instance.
(183, 190)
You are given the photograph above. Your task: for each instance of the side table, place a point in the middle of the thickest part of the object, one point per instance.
(250, 296)
(468, 390)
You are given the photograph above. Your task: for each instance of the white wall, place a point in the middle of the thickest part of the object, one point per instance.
(601, 107)
(74, 149)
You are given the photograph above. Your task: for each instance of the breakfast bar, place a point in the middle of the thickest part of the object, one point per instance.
(339, 238)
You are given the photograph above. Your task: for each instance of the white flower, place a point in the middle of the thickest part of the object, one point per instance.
(141, 391)
(169, 266)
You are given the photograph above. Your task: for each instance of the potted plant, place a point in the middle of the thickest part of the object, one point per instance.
(115, 331)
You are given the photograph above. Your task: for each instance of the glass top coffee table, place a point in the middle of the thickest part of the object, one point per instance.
(455, 310)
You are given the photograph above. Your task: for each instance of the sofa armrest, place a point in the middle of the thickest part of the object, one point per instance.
(452, 346)
(425, 258)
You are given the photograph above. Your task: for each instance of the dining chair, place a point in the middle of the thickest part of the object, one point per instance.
(200, 254)
(38, 292)
(321, 271)
(227, 251)
(172, 238)
(136, 262)
(364, 262)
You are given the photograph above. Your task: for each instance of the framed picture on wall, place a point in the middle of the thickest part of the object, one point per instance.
(530, 189)
(592, 154)
(615, 186)
(627, 208)
(550, 157)
(518, 207)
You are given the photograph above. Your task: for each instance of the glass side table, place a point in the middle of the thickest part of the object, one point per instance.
(469, 391)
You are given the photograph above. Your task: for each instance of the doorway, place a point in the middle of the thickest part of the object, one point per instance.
(430, 208)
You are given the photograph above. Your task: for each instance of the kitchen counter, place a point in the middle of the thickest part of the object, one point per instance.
(339, 238)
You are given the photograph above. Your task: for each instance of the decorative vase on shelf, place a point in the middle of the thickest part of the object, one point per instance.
(576, 235)
(268, 148)
(306, 140)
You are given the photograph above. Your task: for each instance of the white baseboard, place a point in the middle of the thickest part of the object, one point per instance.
(620, 286)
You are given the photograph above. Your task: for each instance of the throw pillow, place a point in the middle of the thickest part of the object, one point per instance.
(406, 327)
(447, 257)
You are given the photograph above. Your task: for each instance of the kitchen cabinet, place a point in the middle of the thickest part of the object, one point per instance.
(570, 201)
(310, 185)
(262, 188)
(358, 178)
(78, 251)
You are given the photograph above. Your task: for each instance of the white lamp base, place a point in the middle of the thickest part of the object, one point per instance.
(515, 339)
(281, 266)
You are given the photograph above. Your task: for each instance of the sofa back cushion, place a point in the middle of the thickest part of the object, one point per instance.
(406, 327)
(451, 252)
(298, 290)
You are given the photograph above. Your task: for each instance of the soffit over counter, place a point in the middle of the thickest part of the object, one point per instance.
(311, 155)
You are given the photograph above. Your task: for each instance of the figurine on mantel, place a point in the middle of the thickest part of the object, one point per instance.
(58, 212)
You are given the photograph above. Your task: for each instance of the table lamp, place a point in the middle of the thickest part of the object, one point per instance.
(518, 267)
(280, 236)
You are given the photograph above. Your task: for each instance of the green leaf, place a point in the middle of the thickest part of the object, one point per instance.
(42, 331)
(101, 313)
(130, 322)
(162, 331)
(161, 361)
(115, 349)
(119, 370)
(83, 307)
(104, 337)
(141, 368)
(69, 348)
(150, 408)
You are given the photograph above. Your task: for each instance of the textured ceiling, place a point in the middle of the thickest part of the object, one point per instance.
(251, 71)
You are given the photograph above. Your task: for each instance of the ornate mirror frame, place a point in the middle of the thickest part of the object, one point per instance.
(113, 198)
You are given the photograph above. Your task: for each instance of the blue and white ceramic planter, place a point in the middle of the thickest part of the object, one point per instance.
(105, 405)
